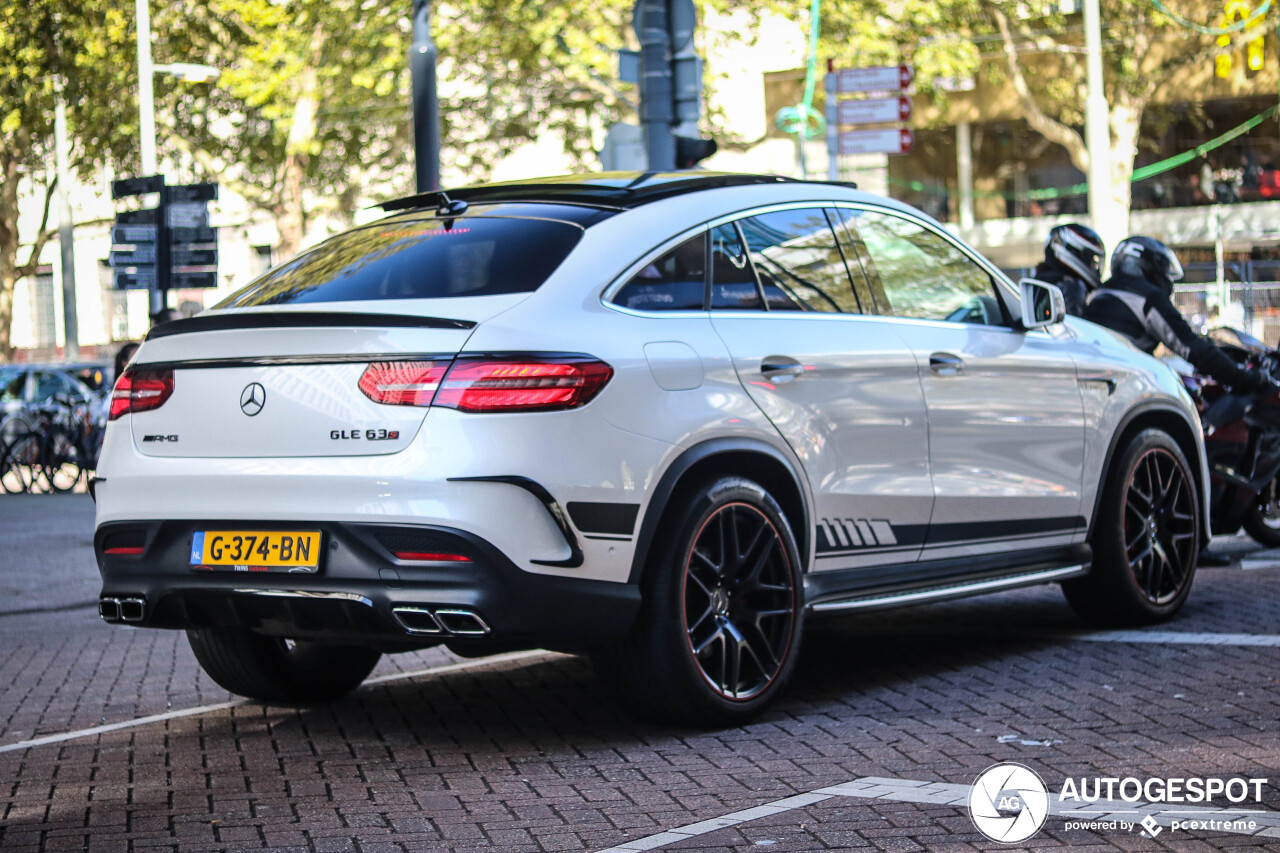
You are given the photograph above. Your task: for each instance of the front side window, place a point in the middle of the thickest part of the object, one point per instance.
(419, 259)
(918, 273)
(676, 281)
(795, 256)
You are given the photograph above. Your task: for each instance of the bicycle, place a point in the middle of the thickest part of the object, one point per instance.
(54, 456)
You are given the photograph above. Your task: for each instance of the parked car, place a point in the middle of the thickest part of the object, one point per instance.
(23, 385)
(661, 419)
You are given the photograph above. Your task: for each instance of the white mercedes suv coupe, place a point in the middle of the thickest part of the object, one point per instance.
(660, 419)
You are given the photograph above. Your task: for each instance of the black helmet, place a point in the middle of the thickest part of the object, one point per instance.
(1079, 249)
(1147, 258)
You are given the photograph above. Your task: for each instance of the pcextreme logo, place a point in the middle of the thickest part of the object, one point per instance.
(1008, 803)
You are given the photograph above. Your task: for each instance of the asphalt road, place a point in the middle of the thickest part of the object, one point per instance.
(112, 739)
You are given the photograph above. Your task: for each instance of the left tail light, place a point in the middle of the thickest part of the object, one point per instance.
(140, 390)
(489, 384)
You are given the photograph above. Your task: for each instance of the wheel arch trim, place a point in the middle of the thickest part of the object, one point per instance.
(798, 503)
(1158, 415)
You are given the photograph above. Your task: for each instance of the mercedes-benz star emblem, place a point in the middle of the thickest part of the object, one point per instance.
(252, 399)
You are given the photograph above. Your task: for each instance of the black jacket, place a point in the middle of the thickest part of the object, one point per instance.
(1142, 313)
(1074, 291)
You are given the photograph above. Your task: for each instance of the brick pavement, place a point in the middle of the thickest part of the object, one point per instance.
(532, 755)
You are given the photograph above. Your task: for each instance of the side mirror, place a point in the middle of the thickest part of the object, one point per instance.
(1042, 303)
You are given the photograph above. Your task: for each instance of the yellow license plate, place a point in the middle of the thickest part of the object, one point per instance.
(256, 550)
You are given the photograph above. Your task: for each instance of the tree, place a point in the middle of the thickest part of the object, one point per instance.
(44, 45)
(311, 113)
(1042, 58)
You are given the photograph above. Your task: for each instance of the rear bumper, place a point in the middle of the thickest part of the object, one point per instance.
(361, 592)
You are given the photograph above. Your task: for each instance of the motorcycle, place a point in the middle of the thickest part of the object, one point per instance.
(1242, 442)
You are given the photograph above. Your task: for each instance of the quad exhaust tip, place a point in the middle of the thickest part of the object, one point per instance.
(445, 622)
(113, 609)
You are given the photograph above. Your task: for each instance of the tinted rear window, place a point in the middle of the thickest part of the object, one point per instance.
(418, 259)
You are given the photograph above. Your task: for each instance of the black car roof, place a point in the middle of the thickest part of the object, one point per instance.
(618, 190)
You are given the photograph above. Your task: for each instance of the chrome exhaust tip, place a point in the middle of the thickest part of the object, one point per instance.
(109, 609)
(133, 609)
(417, 620)
(462, 623)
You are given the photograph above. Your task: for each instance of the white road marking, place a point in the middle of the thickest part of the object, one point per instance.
(1252, 565)
(92, 731)
(947, 794)
(1186, 638)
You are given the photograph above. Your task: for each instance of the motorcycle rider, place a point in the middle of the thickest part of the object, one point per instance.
(1137, 302)
(1073, 256)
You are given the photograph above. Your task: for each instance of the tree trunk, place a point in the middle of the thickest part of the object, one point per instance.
(290, 218)
(1125, 122)
(8, 248)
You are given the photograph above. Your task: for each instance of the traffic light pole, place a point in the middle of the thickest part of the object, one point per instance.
(656, 91)
(426, 103)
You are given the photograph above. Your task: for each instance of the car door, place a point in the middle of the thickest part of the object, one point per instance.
(839, 385)
(1006, 419)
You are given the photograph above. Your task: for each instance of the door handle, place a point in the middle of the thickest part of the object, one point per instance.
(946, 364)
(780, 365)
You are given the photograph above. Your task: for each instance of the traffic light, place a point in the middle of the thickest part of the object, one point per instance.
(690, 152)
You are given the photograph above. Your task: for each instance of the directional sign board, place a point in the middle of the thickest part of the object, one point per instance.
(126, 187)
(890, 141)
(194, 279)
(192, 193)
(141, 279)
(196, 234)
(874, 111)
(146, 216)
(181, 256)
(188, 215)
(876, 78)
(143, 254)
(130, 234)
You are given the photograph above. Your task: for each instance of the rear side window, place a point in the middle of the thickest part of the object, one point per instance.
(419, 259)
(795, 256)
(674, 282)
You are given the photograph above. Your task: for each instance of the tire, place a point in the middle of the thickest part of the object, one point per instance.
(62, 460)
(1262, 520)
(1146, 538)
(20, 470)
(722, 611)
(275, 670)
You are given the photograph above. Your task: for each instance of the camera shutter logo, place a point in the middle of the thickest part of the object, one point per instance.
(1008, 803)
(252, 399)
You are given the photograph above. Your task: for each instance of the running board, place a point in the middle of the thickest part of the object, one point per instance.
(920, 595)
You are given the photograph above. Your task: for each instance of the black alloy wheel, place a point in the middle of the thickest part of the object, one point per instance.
(739, 601)
(1160, 526)
(1146, 537)
(721, 612)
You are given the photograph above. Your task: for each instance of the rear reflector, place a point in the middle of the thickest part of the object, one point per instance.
(140, 390)
(131, 552)
(422, 557)
(494, 384)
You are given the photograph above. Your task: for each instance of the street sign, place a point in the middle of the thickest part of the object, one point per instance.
(126, 187)
(192, 193)
(144, 254)
(188, 215)
(141, 279)
(146, 216)
(182, 256)
(195, 279)
(874, 110)
(888, 141)
(131, 234)
(195, 235)
(682, 20)
(876, 78)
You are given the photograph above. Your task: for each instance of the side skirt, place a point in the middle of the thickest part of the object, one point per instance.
(938, 580)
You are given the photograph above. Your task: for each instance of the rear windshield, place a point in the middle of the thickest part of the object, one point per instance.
(418, 259)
